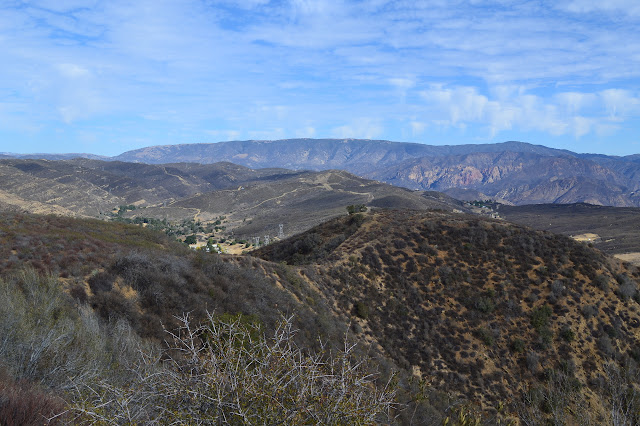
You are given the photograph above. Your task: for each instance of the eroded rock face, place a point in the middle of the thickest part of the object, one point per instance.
(519, 178)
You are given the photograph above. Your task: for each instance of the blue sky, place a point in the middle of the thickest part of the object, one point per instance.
(109, 76)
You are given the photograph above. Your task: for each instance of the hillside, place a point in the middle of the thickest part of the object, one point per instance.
(254, 202)
(478, 307)
(520, 178)
(479, 316)
(297, 201)
(87, 310)
(93, 188)
(614, 230)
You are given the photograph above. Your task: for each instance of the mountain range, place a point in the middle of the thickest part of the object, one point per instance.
(511, 172)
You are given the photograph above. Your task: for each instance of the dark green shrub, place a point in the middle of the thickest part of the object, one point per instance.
(540, 317)
(102, 281)
(545, 337)
(486, 336)
(517, 345)
(356, 208)
(567, 334)
(602, 282)
(485, 304)
(589, 311)
(533, 362)
(362, 310)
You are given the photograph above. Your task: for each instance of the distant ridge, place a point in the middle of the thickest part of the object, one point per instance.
(54, 157)
(318, 153)
(512, 172)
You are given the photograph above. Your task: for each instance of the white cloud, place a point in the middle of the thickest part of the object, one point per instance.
(367, 128)
(305, 132)
(224, 135)
(62, 5)
(247, 4)
(573, 102)
(510, 109)
(72, 71)
(417, 128)
(582, 126)
(630, 7)
(402, 83)
(620, 103)
(268, 134)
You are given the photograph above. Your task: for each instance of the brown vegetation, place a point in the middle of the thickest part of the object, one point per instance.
(477, 316)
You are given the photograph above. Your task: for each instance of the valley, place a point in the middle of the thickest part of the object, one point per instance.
(613, 230)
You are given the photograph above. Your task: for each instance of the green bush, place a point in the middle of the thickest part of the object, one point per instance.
(567, 334)
(517, 345)
(486, 336)
(540, 317)
(356, 208)
(362, 310)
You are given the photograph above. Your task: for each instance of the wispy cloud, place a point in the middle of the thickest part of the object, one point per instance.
(566, 113)
(629, 7)
(365, 128)
(168, 71)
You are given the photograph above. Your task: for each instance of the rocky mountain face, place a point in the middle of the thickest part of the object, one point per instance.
(515, 172)
(521, 178)
(355, 155)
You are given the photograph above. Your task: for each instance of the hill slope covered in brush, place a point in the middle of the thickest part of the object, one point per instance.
(476, 315)
(483, 308)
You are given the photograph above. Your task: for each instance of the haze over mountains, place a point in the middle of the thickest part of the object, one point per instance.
(511, 172)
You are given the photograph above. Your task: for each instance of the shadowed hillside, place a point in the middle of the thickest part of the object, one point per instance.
(484, 308)
(617, 228)
(483, 319)
(521, 177)
(254, 202)
(298, 202)
(93, 188)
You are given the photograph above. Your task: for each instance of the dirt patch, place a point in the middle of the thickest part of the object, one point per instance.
(629, 257)
(587, 238)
